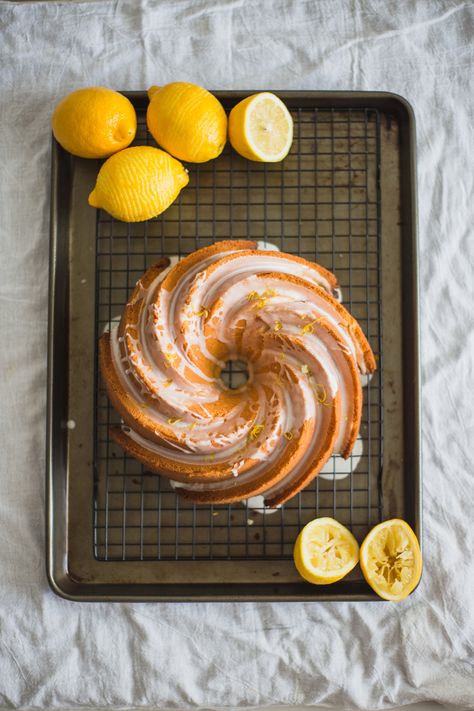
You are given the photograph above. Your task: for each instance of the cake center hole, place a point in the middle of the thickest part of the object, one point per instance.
(235, 374)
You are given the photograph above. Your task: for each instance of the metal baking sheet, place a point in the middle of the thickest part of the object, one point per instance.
(344, 197)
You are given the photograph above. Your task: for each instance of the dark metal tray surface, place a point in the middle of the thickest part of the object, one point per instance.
(344, 197)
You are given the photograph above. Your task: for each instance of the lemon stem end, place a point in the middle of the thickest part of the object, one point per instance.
(152, 91)
(92, 200)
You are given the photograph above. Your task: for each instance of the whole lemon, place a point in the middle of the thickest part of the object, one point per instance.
(138, 183)
(94, 122)
(187, 121)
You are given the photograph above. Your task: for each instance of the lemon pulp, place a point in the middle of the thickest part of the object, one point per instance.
(268, 127)
(325, 551)
(261, 128)
(390, 559)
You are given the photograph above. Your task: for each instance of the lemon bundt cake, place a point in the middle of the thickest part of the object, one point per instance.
(278, 313)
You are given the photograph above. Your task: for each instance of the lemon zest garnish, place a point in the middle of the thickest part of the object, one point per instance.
(321, 396)
(174, 420)
(309, 327)
(288, 435)
(202, 312)
(255, 432)
(350, 326)
(170, 357)
(262, 298)
(277, 326)
(321, 393)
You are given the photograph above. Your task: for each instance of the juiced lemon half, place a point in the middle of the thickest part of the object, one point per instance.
(261, 128)
(325, 551)
(390, 559)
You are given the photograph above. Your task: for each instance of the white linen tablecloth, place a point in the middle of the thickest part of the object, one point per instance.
(57, 654)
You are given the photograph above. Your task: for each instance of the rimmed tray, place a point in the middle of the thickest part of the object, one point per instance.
(345, 197)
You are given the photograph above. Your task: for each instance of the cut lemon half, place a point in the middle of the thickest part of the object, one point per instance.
(325, 551)
(261, 128)
(390, 559)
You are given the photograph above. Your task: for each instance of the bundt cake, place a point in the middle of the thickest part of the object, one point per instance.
(281, 315)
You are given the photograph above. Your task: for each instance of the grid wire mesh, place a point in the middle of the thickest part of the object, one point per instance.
(323, 203)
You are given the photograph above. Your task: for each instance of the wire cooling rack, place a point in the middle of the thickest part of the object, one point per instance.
(323, 203)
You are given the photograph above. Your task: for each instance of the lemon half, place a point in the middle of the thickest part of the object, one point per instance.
(261, 128)
(325, 551)
(390, 559)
